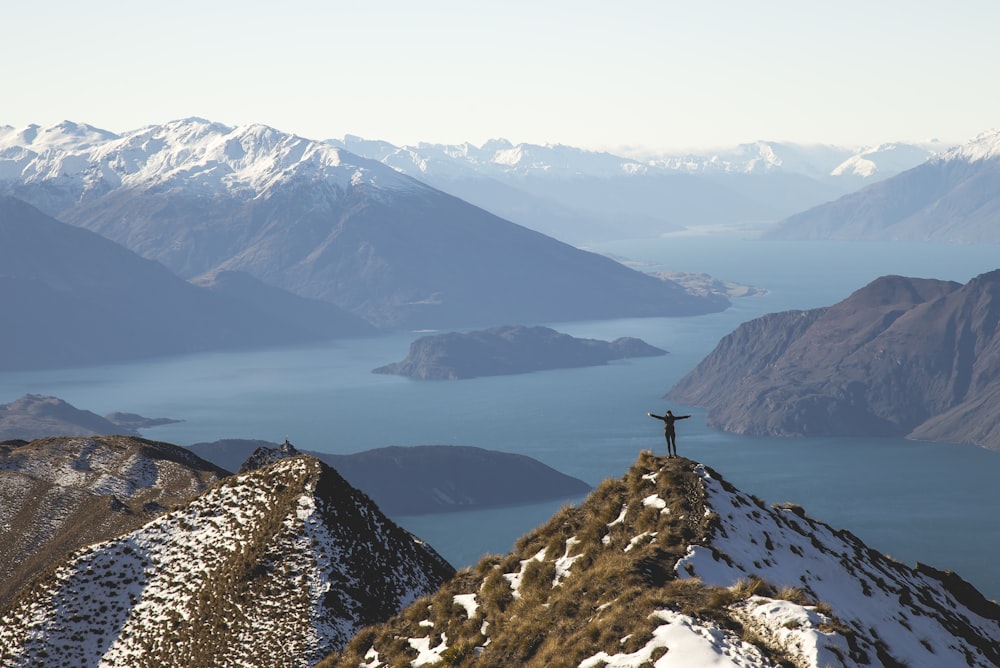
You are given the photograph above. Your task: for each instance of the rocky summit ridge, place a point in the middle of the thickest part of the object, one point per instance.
(672, 566)
(276, 566)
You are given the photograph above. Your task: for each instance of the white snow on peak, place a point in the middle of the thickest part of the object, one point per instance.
(192, 153)
(986, 146)
(869, 592)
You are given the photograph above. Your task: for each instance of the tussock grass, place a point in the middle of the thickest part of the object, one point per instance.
(604, 603)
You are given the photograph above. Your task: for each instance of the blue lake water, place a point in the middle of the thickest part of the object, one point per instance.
(917, 501)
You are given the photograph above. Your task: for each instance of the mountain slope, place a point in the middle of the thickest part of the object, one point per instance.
(324, 223)
(582, 196)
(672, 565)
(277, 566)
(901, 356)
(951, 198)
(58, 494)
(71, 297)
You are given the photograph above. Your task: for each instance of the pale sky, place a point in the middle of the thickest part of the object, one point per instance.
(651, 74)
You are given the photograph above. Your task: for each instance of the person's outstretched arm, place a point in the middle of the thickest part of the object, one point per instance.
(681, 417)
(656, 416)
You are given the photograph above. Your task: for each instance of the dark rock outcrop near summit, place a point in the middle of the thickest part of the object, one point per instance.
(421, 479)
(900, 357)
(509, 350)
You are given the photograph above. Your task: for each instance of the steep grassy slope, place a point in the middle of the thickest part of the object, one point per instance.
(672, 565)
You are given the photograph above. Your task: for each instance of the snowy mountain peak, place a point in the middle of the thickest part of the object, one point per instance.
(671, 566)
(985, 146)
(277, 566)
(192, 154)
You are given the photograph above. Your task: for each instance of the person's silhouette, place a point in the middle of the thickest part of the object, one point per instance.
(668, 430)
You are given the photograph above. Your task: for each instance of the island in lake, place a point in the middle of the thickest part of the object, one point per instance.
(509, 349)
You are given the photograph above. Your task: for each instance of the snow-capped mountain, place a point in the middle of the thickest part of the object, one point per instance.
(950, 198)
(324, 223)
(672, 566)
(579, 195)
(276, 566)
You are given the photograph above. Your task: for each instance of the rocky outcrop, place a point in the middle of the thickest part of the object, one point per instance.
(509, 350)
(900, 357)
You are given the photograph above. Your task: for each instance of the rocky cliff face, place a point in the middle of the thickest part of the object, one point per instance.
(902, 356)
(672, 565)
(276, 566)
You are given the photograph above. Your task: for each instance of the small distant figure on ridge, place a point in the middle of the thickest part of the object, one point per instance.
(668, 430)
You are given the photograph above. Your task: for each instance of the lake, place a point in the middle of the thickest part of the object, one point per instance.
(917, 501)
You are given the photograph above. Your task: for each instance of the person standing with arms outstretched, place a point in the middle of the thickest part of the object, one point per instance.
(668, 430)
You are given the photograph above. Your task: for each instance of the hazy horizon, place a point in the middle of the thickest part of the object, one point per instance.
(643, 76)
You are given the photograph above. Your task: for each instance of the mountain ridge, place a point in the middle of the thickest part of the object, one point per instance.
(899, 357)
(201, 197)
(951, 198)
(275, 566)
(671, 565)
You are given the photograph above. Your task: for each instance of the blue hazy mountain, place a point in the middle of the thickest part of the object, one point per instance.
(71, 297)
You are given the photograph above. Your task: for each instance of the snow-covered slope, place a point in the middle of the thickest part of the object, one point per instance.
(277, 566)
(58, 494)
(672, 567)
(950, 198)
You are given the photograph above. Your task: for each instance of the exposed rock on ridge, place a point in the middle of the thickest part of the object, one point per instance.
(900, 357)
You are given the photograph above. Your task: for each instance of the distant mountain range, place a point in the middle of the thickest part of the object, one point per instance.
(318, 221)
(284, 563)
(900, 357)
(952, 198)
(582, 196)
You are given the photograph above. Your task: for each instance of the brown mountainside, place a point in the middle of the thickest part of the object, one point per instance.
(901, 356)
(58, 494)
